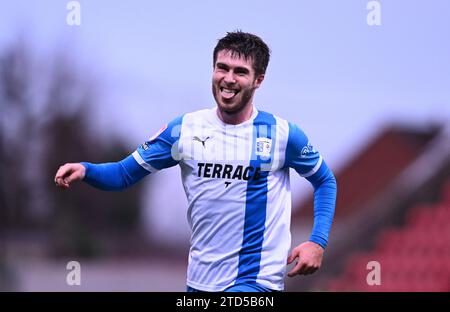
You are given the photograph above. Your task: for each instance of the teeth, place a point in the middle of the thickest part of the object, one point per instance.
(229, 90)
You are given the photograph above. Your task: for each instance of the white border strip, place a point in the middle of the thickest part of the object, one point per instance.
(314, 170)
(142, 163)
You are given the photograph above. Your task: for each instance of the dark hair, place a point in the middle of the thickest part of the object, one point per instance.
(247, 45)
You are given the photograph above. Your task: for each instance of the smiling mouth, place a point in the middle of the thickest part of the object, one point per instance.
(227, 93)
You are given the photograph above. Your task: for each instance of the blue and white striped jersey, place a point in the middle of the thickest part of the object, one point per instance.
(236, 179)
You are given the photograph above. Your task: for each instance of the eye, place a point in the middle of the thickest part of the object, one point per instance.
(221, 67)
(241, 72)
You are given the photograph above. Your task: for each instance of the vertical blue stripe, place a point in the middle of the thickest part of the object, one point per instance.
(256, 203)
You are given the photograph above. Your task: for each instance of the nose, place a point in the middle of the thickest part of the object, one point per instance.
(229, 77)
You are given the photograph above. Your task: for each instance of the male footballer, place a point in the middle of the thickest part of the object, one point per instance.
(234, 162)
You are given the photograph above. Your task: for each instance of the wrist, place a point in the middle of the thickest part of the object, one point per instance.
(318, 241)
(84, 169)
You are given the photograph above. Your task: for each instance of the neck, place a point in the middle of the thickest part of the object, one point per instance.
(236, 118)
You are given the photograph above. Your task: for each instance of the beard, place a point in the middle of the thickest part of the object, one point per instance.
(235, 106)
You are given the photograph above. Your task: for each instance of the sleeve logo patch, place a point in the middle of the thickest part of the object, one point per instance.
(308, 149)
(146, 145)
(161, 130)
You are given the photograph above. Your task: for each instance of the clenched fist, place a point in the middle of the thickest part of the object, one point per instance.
(69, 173)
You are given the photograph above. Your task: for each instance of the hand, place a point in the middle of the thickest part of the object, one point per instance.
(310, 258)
(69, 173)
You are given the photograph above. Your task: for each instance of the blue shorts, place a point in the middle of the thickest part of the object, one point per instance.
(244, 287)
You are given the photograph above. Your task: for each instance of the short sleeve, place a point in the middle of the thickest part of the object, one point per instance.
(300, 153)
(161, 150)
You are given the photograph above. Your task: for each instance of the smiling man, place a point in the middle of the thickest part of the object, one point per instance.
(235, 81)
(234, 162)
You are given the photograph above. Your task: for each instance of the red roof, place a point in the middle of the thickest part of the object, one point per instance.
(364, 176)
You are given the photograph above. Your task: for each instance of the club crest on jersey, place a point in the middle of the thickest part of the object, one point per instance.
(263, 147)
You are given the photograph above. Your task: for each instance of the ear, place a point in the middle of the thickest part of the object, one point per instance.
(259, 80)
